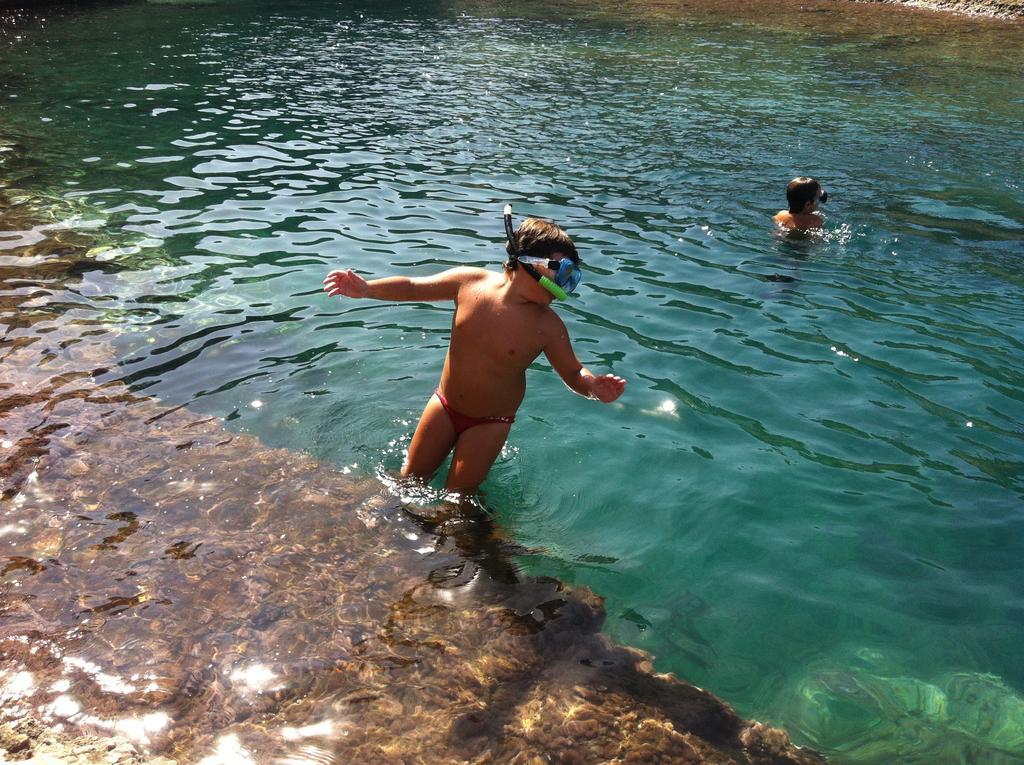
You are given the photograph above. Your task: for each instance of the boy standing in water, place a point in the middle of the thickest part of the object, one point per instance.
(503, 321)
(803, 195)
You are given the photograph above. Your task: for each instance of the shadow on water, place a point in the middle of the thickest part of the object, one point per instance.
(209, 597)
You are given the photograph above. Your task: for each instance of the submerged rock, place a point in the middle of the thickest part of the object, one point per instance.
(877, 714)
(983, 707)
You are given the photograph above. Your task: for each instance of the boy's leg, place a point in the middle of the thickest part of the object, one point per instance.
(433, 439)
(475, 452)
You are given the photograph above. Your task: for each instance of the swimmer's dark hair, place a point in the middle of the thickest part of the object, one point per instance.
(800, 191)
(538, 238)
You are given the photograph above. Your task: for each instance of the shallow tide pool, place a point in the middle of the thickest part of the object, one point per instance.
(809, 501)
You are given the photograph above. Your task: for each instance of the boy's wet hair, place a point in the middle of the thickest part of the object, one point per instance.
(800, 191)
(538, 238)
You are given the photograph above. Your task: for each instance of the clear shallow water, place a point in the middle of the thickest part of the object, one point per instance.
(809, 501)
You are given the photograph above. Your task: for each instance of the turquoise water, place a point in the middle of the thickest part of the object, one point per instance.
(808, 501)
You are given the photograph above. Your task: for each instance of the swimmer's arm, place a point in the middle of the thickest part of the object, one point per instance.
(442, 286)
(577, 377)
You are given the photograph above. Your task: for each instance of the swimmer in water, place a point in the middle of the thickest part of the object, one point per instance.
(503, 321)
(803, 195)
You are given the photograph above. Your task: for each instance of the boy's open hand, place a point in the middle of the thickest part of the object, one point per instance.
(347, 283)
(607, 388)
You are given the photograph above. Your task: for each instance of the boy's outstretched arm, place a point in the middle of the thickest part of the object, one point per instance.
(559, 352)
(442, 286)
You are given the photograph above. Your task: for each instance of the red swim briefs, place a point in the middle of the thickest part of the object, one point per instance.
(462, 422)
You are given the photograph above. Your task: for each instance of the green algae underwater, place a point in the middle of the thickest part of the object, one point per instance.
(808, 503)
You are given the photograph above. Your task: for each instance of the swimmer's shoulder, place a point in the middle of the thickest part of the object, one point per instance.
(470, 275)
(810, 221)
(802, 222)
(465, 280)
(783, 218)
(551, 324)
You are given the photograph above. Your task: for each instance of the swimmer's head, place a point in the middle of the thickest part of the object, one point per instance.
(802, 191)
(537, 238)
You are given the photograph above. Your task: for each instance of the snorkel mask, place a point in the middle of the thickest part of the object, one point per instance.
(822, 195)
(567, 273)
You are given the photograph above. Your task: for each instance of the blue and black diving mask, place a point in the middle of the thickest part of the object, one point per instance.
(567, 272)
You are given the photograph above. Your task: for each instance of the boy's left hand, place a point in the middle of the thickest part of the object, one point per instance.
(607, 388)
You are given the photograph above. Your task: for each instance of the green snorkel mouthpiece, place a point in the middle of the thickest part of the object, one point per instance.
(544, 281)
(553, 288)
